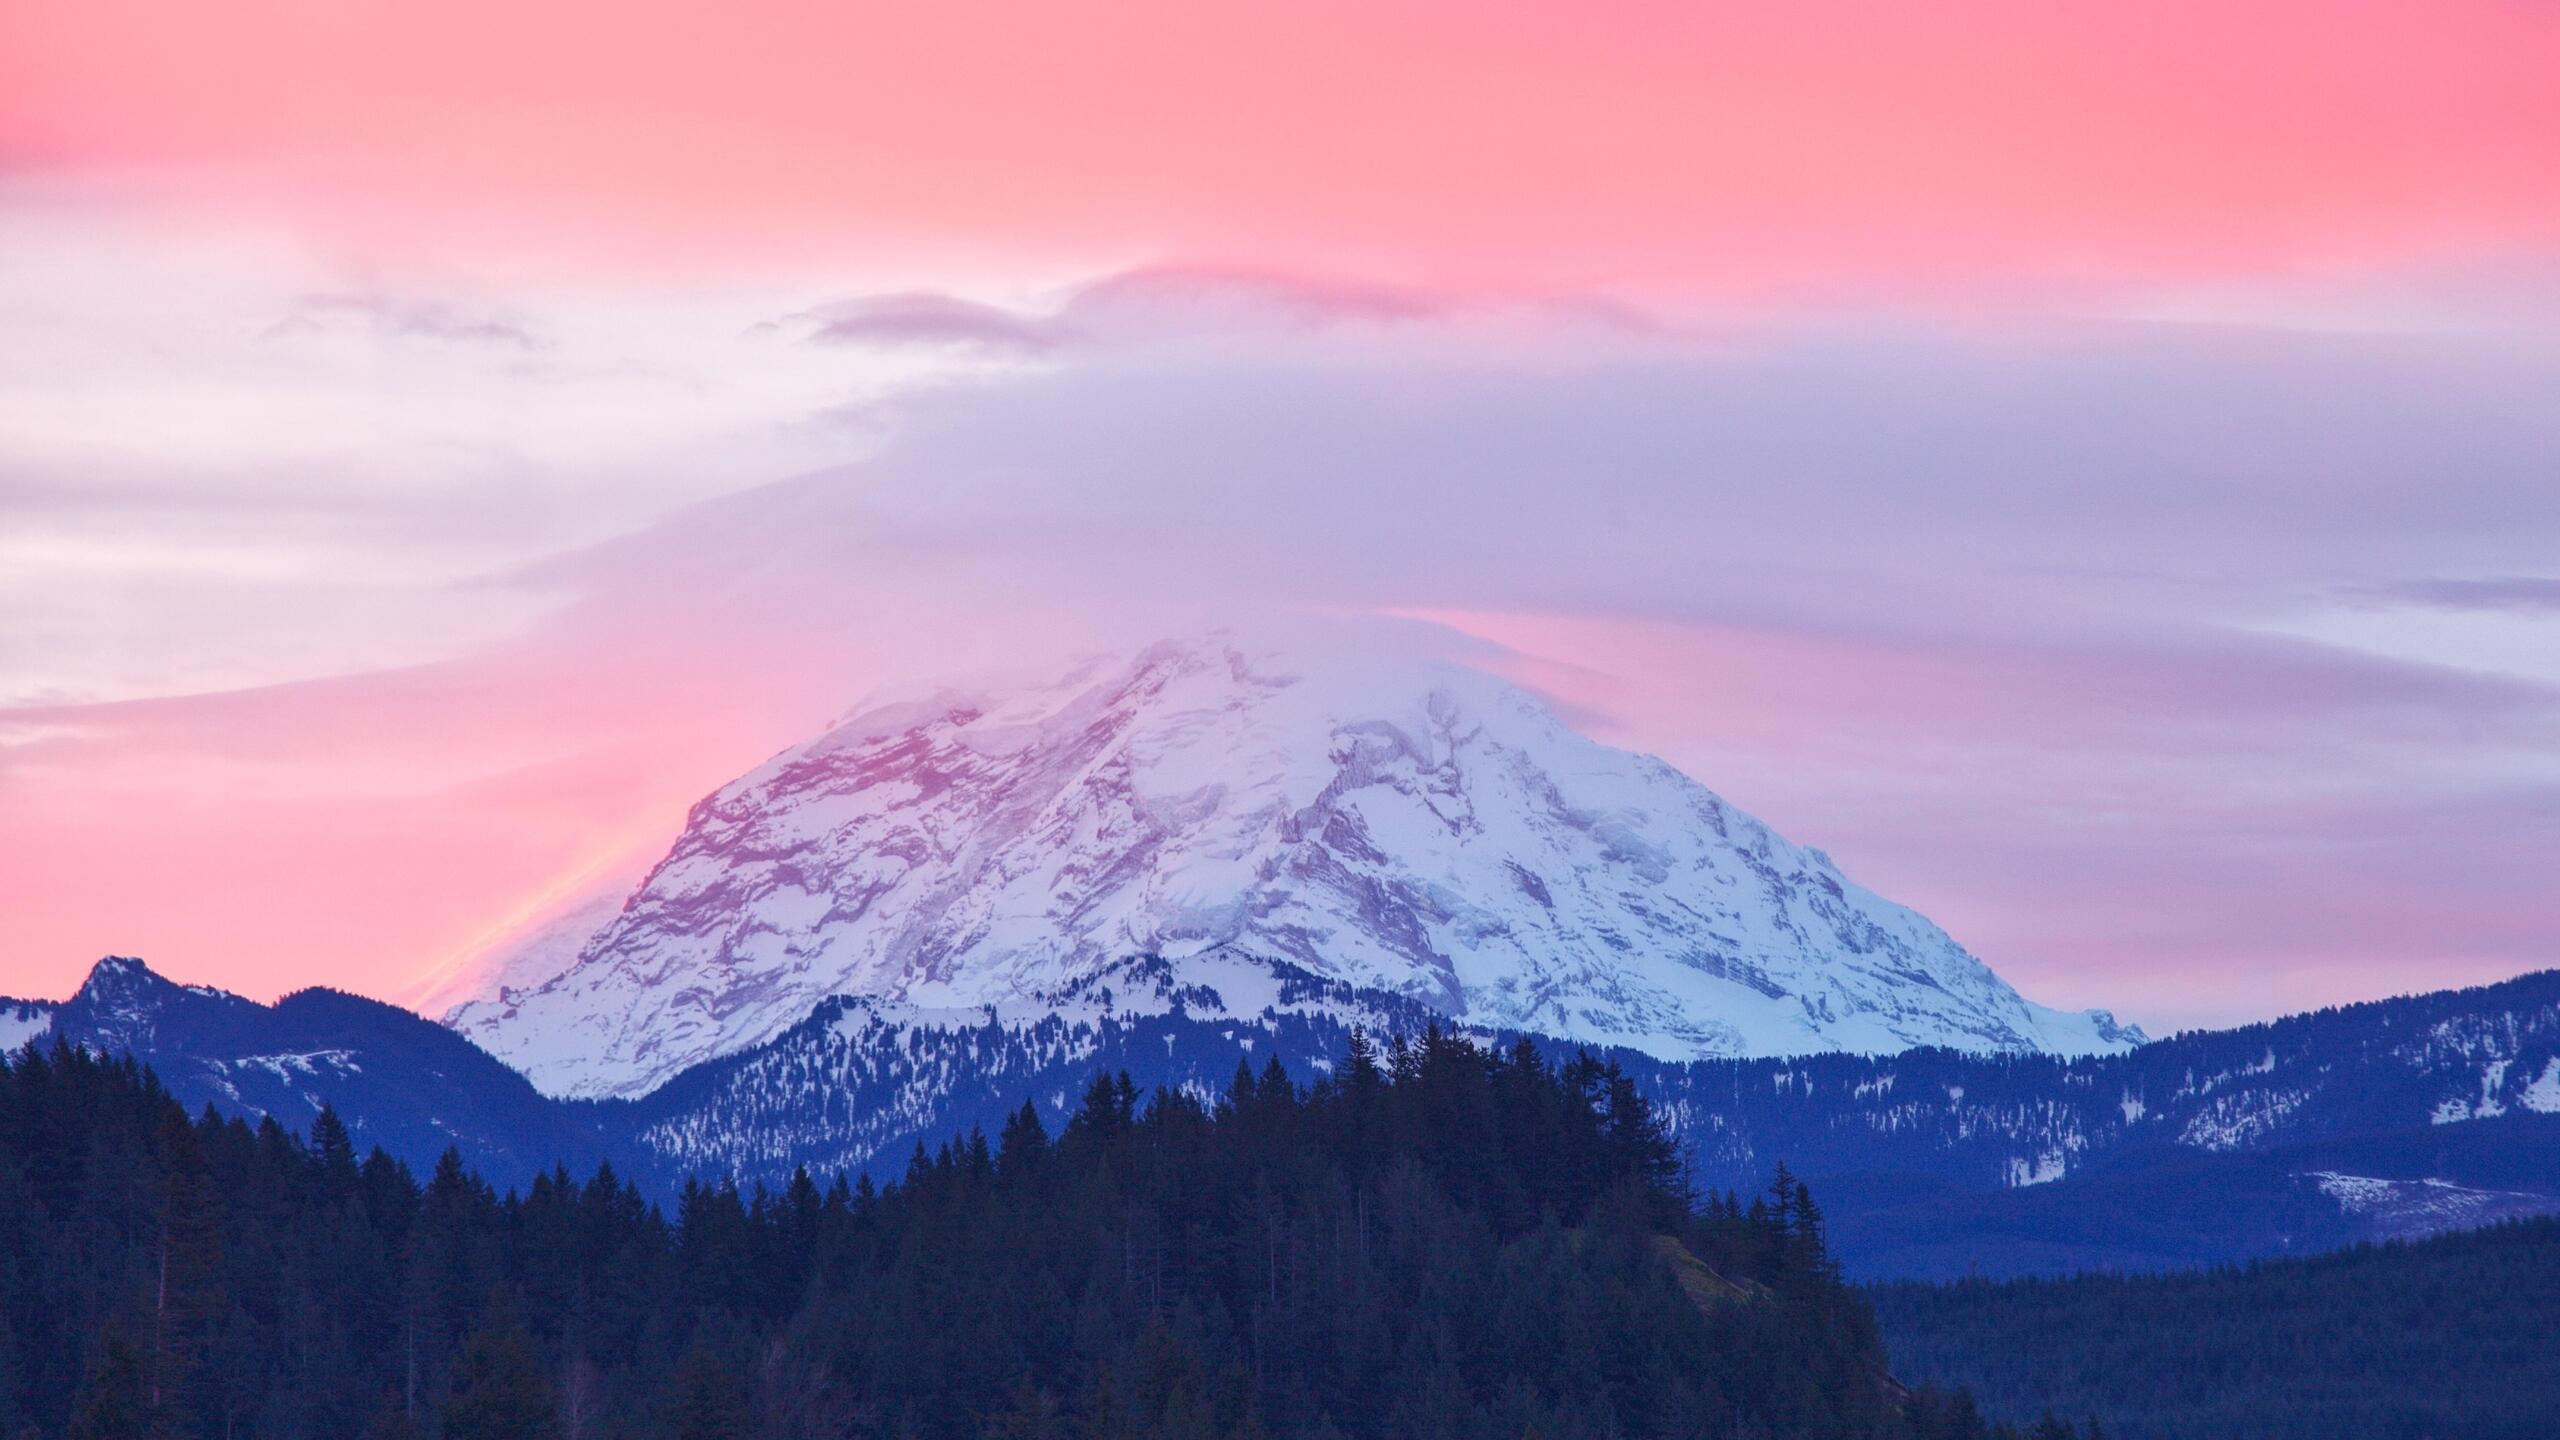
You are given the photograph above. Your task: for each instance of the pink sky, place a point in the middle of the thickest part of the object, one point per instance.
(1669, 149)
(2087, 467)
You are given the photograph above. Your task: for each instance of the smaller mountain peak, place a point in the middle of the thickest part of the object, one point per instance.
(119, 972)
(119, 1001)
(123, 985)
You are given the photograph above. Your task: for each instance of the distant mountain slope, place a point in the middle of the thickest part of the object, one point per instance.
(1989, 1122)
(402, 1082)
(1408, 827)
(2155, 1208)
(2312, 1132)
(1940, 1163)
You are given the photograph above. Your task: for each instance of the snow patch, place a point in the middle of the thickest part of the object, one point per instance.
(290, 1067)
(2236, 1120)
(2542, 1096)
(2426, 1206)
(2049, 1166)
(22, 1021)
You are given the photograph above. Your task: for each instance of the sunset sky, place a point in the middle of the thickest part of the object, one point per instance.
(2093, 470)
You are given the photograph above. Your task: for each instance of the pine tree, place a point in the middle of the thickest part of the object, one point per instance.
(1274, 1085)
(115, 1404)
(391, 1421)
(1032, 1414)
(334, 1152)
(1360, 1070)
(187, 1297)
(710, 1400)
(1021, 1143)
(499, 1391)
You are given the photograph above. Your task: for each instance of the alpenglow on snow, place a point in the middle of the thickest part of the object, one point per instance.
(1415, 827)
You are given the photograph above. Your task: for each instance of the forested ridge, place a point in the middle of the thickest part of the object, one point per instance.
(2189, 1152)
(1436, 1240)
(2451, 1338)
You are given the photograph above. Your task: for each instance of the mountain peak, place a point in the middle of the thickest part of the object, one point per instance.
(123, 1002)
(118, 979)
(1408, 826)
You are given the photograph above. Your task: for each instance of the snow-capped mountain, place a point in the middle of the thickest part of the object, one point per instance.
(1412, 827)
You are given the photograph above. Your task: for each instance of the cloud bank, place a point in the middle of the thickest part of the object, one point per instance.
(2086, 637)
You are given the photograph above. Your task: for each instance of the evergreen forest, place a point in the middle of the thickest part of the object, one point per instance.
(2451, 1338)
(1433, 1239)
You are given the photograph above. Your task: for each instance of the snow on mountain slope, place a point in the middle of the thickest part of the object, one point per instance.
(1412, 827)
(2414, 1209)
(861, 1081)
(22, 1021)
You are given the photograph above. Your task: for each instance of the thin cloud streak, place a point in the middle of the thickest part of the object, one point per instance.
(1154, 304)
(399, 317)
(2531, 593)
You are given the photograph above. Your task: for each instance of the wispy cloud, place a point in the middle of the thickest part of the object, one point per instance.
(1147, 303)
(2529, 593)
(920, 317)
(403, 318)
